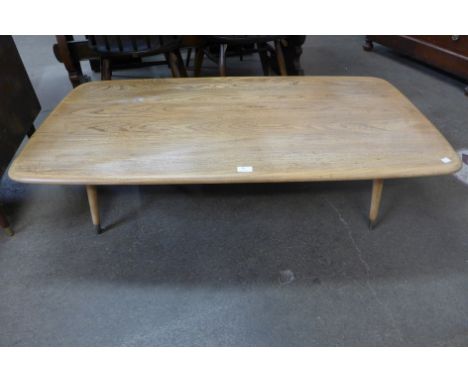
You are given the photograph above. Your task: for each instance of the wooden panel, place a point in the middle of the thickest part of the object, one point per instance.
(19, 105)
(200, 130)
(456, 44)
(424, 48)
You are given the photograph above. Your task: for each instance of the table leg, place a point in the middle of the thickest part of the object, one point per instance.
(94, 206)
(4, 224)
(377, 186)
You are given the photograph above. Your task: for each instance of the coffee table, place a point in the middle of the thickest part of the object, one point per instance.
(233, 130)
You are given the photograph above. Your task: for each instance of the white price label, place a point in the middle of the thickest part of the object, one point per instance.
(244, 169)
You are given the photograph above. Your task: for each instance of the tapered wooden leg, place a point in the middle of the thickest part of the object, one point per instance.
(377, 186)
(222, 60)
(280, 58)
(4, 224)
(94, 206)
(199, 55)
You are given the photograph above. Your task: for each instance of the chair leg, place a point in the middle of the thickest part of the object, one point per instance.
(180, 64)
(106, 70)
(176, 64)
(222, 60)
(280, 58)
(4, 224)
(171, 61)
(199, 55)
(189, 56)
(265, 60)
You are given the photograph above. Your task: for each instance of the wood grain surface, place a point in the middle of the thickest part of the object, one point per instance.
(200, 130)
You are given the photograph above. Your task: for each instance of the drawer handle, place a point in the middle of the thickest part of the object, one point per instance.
(455, 38)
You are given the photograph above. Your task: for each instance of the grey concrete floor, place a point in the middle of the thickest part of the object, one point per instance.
(271, 265)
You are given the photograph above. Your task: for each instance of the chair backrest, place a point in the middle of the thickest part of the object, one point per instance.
(241, 39)
(133, 45)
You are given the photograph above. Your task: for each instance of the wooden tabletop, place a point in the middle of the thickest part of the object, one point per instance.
(233, 130)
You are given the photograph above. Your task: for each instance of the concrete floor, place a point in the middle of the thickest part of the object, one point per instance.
(253, 265)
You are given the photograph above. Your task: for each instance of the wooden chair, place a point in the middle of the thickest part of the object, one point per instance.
(109, 47)
(265, 51)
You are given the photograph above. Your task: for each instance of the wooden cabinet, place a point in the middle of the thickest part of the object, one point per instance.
(19, 106)
(448, 53)
(454, 44)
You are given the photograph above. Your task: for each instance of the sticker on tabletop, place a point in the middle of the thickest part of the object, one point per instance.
(244, 169)
(462, 174)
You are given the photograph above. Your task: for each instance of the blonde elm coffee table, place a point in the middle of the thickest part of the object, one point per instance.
(233, 130)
